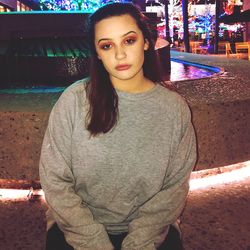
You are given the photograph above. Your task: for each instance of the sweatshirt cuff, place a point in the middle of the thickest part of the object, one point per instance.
(148, 247)
(100, 243)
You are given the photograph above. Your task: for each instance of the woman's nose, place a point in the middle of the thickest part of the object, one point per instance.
(120, 53)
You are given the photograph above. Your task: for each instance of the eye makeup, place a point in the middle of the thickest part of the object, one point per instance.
(130, 39)
(105, 45)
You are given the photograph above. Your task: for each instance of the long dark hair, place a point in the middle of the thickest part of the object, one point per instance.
(103, 100)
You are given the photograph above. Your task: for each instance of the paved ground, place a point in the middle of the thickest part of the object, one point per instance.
(217, 217)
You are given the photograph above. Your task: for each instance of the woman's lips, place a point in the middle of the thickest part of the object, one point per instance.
(121, 67)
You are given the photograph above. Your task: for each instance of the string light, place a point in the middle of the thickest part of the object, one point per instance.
(199, 180)
(218, 176)
(20, 194)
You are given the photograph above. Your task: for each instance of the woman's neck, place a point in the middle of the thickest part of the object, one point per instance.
(139, 85)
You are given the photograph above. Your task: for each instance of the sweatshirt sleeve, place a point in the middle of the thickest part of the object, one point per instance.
(57, 180)
(147, 231)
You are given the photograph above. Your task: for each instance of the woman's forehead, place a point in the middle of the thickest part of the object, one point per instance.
(116, 26)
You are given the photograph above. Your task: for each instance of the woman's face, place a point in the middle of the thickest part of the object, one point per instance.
(120, 46)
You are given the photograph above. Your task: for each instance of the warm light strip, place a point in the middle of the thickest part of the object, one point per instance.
(235, 175)
(232, 173)
(18, 194)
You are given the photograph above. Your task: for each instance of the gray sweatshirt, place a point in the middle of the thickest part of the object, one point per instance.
(132, 179)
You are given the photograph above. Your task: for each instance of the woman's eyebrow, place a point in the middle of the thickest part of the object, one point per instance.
(105, 39)
(129, 33)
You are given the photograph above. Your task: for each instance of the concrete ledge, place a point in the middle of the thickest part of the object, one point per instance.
(221, 130)
(220, 108)
(21, 136)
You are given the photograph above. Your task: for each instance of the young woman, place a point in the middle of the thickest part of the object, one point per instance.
(119, 147)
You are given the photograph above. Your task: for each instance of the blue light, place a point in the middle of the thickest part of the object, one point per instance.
(33, 90)
(202, 66)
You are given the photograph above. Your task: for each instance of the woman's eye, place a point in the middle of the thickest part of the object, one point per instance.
(106, 46)
(130, 41)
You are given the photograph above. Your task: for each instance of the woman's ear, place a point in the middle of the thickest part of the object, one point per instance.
(146, 44)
